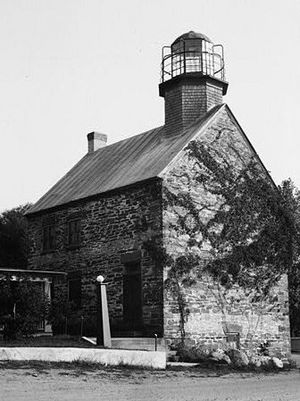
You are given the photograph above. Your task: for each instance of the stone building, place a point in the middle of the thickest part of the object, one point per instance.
(111, 214)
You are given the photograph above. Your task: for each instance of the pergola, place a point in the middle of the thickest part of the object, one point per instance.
(43, 277)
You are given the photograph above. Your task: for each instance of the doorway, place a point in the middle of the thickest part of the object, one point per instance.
(132, 296)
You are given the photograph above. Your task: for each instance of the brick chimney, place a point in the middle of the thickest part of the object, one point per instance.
(193, 80)
(96, 141)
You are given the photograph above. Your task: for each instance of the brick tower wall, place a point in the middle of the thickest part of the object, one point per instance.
(186, 100)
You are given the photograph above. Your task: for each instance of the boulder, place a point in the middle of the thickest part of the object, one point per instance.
(238, 358)
(266, 361)
(220, 356)
(217, 355)
(277, 363)
(227, 359)
(286, 363)
(256, 361)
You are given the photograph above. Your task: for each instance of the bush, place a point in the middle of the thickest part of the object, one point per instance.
(60, 312)
(194, 353)
(66, 318)
(24, 308)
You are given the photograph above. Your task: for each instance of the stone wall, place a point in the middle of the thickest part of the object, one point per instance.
(211, 311)
(112, 225)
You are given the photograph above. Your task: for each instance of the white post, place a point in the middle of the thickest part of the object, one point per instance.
(103, 327)
(47, 289)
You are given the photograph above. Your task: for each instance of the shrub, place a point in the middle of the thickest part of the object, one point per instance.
(60, 312)
(66, 318)
(264, 348)
(195, 353)
(25, 306)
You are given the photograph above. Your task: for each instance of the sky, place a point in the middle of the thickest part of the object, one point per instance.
(75, 66)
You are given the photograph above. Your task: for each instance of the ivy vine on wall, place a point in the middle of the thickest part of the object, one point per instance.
(239, 231)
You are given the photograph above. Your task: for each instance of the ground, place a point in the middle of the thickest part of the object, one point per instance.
(51, 382)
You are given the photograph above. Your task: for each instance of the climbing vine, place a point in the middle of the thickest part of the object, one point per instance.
(250, 232)
(239, 231)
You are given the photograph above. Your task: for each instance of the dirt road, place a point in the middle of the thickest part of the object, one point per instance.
(47, 384)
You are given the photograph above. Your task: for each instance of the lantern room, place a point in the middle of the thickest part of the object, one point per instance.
(192, 53)
(192, 80)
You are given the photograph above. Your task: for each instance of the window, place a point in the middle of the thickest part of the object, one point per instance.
(48, 237)
(74, 288)
(74, 232)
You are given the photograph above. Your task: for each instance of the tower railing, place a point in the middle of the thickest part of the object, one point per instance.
(189, 61)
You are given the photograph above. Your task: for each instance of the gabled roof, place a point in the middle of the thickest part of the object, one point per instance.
(123, 163)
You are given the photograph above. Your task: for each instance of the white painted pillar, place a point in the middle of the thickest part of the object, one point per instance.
(103, 327)
(47, 289)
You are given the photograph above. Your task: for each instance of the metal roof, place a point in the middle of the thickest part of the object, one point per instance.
(132, 160)
(192, 35)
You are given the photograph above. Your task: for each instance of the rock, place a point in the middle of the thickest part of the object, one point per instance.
(286, 363)
(266, 360)
(238, 358)
(256, 361)
(227, 359)
(220, 356)
(277, 363)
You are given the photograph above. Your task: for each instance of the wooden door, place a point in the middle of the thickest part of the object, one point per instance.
(132, 296)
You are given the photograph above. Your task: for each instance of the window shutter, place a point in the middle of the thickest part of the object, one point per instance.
(74, 232)
(48, 238)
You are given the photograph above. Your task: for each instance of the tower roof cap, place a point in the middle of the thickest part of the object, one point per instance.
(192, 35)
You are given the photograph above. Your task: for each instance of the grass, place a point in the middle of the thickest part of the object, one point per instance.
(78, 368)
(47, 341)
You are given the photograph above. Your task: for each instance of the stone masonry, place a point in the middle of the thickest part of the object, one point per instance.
(121, 222)
(112, 225)
(211, 314)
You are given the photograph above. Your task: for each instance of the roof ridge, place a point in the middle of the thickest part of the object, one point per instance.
(138, 158)
(125, 139)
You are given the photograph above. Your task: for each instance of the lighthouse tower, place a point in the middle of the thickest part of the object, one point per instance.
(192, 80)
